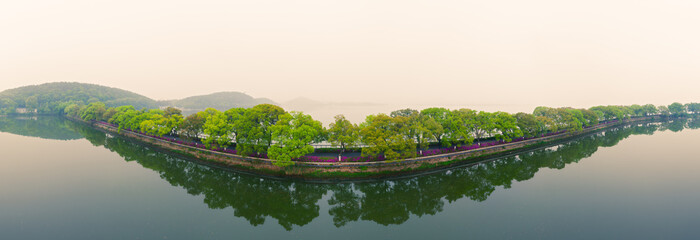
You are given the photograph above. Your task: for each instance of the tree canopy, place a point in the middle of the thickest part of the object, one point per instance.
(53, 98)
(292, 135)
(267, 130)
(342, 133)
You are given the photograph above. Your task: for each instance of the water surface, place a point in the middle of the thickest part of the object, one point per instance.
(61, 180)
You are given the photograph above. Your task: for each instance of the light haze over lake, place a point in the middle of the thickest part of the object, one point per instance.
(635, 182)
(62, 180)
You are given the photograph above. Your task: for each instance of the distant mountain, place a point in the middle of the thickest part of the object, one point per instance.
(221, 101)
(53, 97)
(266, 100)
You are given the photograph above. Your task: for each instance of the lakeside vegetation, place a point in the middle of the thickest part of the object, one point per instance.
(53, 98)
(387, 203)
(269, 131)
(292, 204)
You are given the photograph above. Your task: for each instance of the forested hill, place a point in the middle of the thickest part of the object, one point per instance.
(54, 97)
(221, 101)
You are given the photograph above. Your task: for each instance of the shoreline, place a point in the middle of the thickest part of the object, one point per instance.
(355, 171)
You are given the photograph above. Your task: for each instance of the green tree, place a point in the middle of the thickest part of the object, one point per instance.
(650, 109)
(148, 126)
(546, 124)
(527, 123)
(543, 111)
(94, 111)
(609, 112)
(506, 126)
(292, 134)
(8, 106)
(157, 122)
(483, 125)
(420, 126)
(208, 112)
(441, 116)
(618, 112)
(461, 124)
(169, 111)
(627, 111)
(31, 103)
(578, 115)
(410, 117)
(109, 113)
(386, 135)
(404, 113)
(235, 116)
(148, 121)
(677, 109)
(124, 116)
(570, 119)
(72, 110)
(590, 117)
(255, 135)
(217, 129)
(192, 126)
(693, 107)
(664, 111)
(637, 109)
(425, 129)
(555, 114)
(343, 133)
(172, 122)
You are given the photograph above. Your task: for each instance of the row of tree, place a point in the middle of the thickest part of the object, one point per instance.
(285, 136)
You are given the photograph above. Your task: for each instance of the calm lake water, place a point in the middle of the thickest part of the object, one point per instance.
(61, 180)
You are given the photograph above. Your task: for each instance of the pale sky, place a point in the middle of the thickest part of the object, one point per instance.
(539, 52)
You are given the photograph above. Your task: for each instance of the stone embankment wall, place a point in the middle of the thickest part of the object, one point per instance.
(350, 170)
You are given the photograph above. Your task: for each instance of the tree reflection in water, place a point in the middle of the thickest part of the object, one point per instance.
(384, 201)
(46, 127)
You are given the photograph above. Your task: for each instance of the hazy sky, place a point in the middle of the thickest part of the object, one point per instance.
(541, 52)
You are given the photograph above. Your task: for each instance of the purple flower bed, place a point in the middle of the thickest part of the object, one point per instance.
(187, 143)
(106, 123)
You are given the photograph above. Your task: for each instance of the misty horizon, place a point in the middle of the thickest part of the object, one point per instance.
(394, 119)
(541, 52)
(332, 102)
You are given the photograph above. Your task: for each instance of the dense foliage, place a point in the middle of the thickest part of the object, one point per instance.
(292, 135)
(267, 130)
(53, 98)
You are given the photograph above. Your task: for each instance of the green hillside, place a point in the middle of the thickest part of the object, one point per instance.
(221, 101)
(50, 98)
